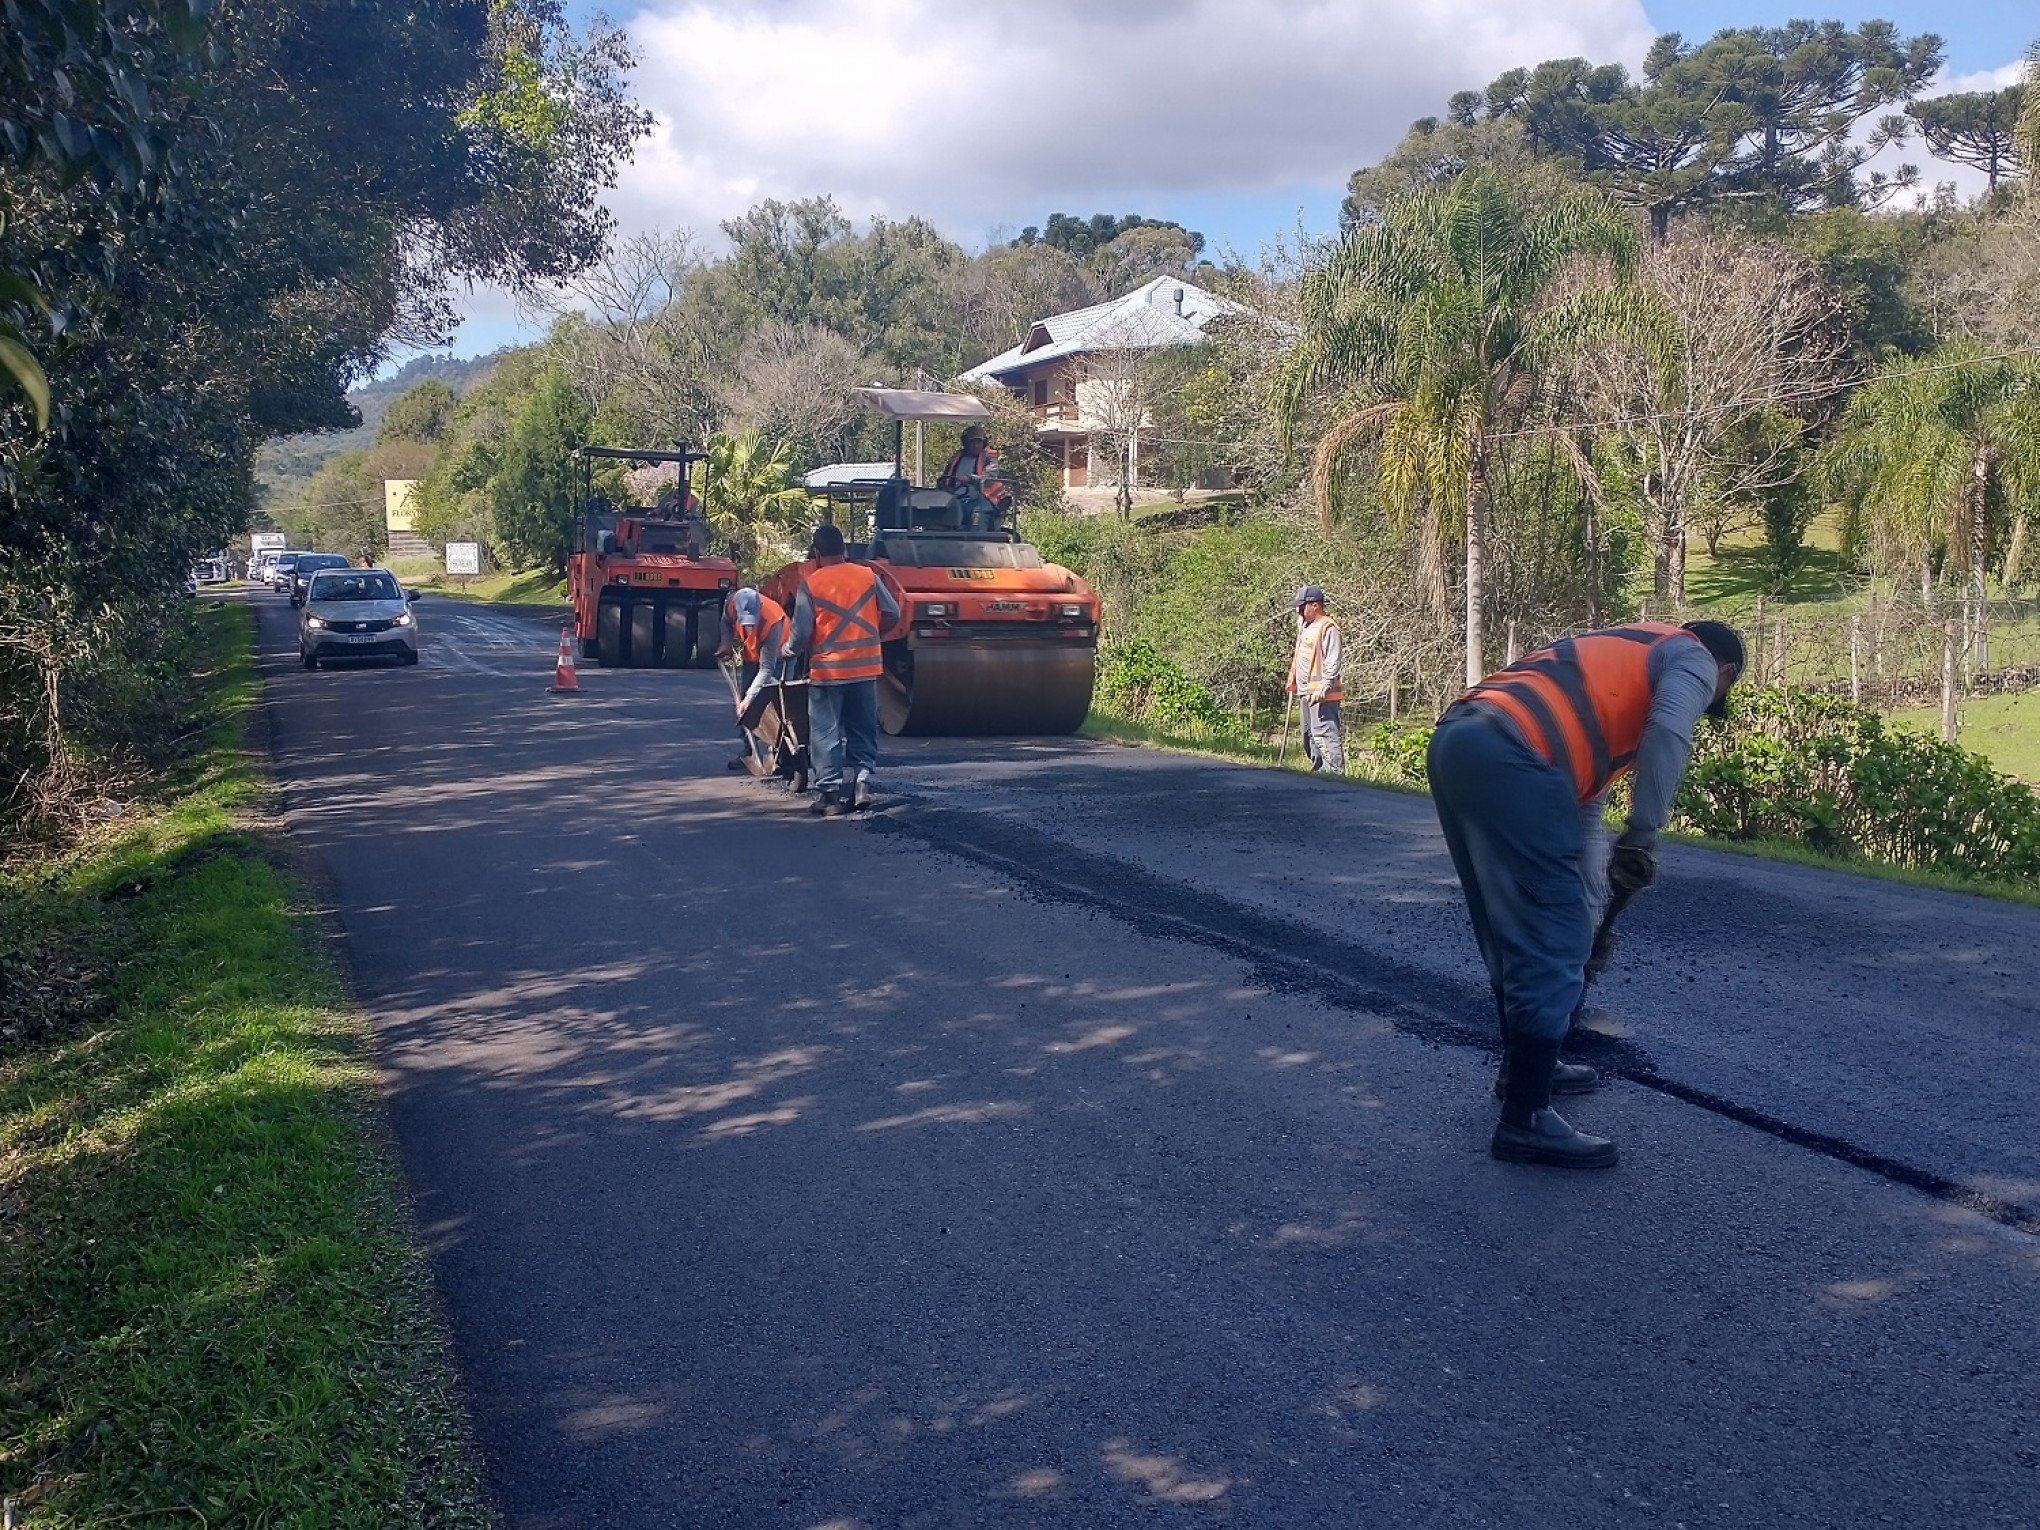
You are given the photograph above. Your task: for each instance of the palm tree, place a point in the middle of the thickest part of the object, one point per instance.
(1430, 333)
(1935, 450)
(748, 488)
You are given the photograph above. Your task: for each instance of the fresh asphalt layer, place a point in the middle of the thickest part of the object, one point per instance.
(1097, 1137)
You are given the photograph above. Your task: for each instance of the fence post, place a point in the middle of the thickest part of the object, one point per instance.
(1394, 695)
(1856, 660)
(1876, 642)
(1778, 653)
(1951, 638)
(1515, 652)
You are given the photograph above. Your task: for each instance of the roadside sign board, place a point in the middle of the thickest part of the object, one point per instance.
(463, 557)
(266, 541)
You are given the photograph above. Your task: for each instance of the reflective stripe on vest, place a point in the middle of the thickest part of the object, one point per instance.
(1582, 702)
(768, 637)
(1307, 662)
(847, 625)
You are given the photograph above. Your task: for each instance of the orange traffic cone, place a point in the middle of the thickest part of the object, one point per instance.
(565, 682)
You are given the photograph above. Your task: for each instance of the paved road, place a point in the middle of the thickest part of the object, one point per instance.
(1097, 1137)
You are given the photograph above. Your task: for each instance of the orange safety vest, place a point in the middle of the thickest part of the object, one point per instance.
(768, 637)
(1582, 702)
(847, 636)
(1307, 663)
(963, 468)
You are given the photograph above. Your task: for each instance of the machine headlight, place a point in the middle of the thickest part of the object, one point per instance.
(401, 619)
(316, 622)
(938, 608)
(1072, 609)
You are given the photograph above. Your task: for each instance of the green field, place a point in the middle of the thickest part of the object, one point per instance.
(2003, 729)
(214, 1309)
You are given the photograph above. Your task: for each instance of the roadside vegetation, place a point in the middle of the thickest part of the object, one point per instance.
(214, 1310)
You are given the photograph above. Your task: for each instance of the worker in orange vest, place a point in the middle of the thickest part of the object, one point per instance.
(754, 629)
(1314, 682)
(840, 615)
(1520, 768)
(967, 470)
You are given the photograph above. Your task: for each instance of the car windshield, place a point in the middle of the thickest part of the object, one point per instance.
(320, 560)
(285, 560)
(371, 584)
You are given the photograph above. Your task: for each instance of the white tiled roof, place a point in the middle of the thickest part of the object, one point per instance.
(1142, 319)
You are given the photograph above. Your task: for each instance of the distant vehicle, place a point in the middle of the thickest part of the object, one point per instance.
(308, 564)
(356, 613)
(279, 570)
(259, 565)
(211, 571)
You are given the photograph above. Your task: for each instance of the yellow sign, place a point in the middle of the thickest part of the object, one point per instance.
(982, 575)
(400, 504)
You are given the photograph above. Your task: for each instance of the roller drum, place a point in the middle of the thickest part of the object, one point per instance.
(964, 687)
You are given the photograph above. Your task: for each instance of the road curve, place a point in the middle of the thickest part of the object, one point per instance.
(1097, 1137)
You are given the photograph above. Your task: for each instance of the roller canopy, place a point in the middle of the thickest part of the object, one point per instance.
(907, 404)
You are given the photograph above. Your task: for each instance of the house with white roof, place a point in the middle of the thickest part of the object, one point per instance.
(1081, 374)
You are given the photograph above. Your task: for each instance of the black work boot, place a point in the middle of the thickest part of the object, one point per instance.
(821, 803)
(1566, 1078)
(1530, 1131)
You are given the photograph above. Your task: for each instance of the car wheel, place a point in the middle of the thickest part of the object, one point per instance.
(411, 656)
(310, 660)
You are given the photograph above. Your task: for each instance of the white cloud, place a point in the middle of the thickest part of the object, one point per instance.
(997, 114)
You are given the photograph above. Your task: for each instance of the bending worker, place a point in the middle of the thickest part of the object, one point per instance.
(754, 629)
(1520, 768)
(1314, 682)
(839, 619)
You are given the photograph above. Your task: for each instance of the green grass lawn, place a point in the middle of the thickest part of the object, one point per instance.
(215, 1312)
(532, 589)
(2003, 729)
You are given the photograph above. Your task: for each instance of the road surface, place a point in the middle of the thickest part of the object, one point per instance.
(1097, 1137)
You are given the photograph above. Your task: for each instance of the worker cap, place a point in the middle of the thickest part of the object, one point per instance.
(1726, 644)
(974, 433)
(1309, 593)
(749, 612)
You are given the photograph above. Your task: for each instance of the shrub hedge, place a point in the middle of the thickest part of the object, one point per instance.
(1823, 772)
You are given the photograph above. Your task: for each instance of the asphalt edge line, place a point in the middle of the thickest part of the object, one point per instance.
(1428, 1026)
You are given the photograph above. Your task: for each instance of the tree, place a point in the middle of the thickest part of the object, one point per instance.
(1711, 427)
(1430, 333)
(1939, 454)
(1974, 128)
(533, 486)
(1081, 238)
(794, 384)
(1763, 116)
(423, 414)
(751, 495)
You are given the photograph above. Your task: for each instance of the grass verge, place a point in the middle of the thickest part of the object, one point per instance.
(215, 1311)
(532, 589)
(1109, 727)
(2003, 729)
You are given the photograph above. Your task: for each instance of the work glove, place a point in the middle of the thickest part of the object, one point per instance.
(1632, 864)
(1313, 694)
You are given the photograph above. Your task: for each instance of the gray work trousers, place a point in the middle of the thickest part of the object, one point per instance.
(1323, 745)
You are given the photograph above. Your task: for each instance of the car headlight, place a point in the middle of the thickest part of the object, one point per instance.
(401, 619)
(315, 621)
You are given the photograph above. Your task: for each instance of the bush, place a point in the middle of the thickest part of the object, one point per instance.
(1794, 765)
(1138, 681)
(1823, 772)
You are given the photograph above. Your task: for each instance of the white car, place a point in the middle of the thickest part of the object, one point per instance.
(356, 613)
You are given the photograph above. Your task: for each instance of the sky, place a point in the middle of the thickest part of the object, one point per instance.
(1238, 118)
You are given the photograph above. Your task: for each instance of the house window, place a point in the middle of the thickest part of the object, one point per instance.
(1040, 392)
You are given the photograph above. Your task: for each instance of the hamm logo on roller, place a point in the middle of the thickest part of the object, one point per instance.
(986, 575)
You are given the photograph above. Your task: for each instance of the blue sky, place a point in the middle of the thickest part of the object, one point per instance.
(1240, 118)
